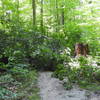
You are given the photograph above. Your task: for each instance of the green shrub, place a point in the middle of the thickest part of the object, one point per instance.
(45, 58)
(7, 87)
(6, 94)
(97, 75)
(19, 84)
(6, 78)
(82, 60)
(19, 73)
(67, 85)
(83, 75)
(60, 71)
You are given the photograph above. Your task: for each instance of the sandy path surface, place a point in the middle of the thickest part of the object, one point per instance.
(52, 89)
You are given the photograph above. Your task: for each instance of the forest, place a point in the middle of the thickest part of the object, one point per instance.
(56, 38)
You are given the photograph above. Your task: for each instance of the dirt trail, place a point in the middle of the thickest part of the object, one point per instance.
(52, 89)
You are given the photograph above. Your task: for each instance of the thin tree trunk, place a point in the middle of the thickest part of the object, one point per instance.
(42, 15)
(57, 15)
(50, 9)
(18, 10)
(62, 16)
(3, 16)
(34, 12)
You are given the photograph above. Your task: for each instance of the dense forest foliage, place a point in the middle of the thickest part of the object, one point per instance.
(41, 35)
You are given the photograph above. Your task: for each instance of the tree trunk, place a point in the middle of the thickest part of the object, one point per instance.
(41, 15)
(57, 15)
(62, 16)
(3, 15)
(34, 12)
(18, 10)
(81, 49)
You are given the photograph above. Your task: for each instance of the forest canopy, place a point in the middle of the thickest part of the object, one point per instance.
(72, 20)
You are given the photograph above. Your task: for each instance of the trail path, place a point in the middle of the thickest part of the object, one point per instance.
(52, 89)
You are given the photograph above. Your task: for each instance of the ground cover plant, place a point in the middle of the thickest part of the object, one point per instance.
(79, 71)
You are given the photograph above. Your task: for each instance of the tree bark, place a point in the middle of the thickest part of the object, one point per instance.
(81, 49)
(41, 15)
(62, 16)
(3, 16)
(34, 12)
(57, 15)
(18, 10)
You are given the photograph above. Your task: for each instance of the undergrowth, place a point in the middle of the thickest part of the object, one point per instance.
(80, 72)
(19, 84)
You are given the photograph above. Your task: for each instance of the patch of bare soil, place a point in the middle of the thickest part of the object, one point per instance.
(52, 89)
